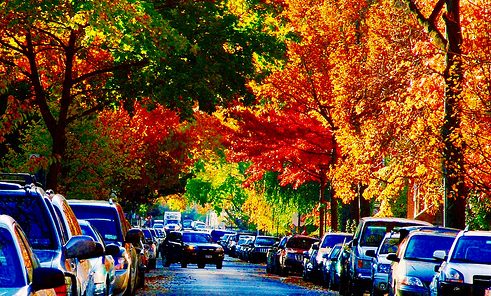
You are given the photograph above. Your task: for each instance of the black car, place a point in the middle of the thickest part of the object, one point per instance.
(259, 247)
(194, 247)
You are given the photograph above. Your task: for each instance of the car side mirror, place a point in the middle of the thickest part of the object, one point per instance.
(133, 236)
(305, 254)
(315, 246)
(440, 255)
(47, 278)
(371, 253)
(393, 257)
(112, 250)
(355, 242)
(83, 247)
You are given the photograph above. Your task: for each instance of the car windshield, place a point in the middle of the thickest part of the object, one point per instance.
(172, 221)
(33, 217)
(196, 238)
(265, 241)
(10, 267)
(331, 240)
(105, 219)
(472, 249)
(300, 243)
(147, 233)
(390, 245)
(422, 247)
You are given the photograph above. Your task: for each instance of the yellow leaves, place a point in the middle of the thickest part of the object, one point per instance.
(259, 211)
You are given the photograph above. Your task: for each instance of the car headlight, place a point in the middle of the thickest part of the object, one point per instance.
(383, 268)
(190, 248)
(412, 281)
(219, 250)
(452, 275)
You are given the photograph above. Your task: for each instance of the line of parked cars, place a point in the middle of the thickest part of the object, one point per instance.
(53, 246)
(393, 256)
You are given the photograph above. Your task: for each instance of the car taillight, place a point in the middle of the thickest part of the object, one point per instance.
(66, 289)
(360, 263)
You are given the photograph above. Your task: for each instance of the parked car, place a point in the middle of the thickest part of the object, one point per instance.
(102, 268)
(368, 235)
(328, 241)
(329, 264)
(56, 245)
(150, 245)
(217, 234)
(413, 266)
(108, 217)
(195, 247)
(242, 245)
(340, 279)
(308, 260)
(259, 247)
(288, 255)
(232, 242)
(466, 270)
(20, 271)
(381, 265)
(223, 241)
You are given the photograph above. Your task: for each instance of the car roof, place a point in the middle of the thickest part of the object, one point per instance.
(394, 219)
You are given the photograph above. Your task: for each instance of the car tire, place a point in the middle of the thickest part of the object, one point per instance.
(165, 261)
(184, 264)
(219, 264)
(201, 265)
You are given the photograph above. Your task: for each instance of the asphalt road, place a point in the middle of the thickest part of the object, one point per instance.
(236, 278)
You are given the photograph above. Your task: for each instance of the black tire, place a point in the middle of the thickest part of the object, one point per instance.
(219, 264)
(201, 265)
(165, 261)
(184, 264)
(128, 291)
(305, 275)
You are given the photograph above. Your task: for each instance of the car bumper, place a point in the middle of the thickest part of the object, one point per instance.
(412, 291)
(380, 282)
(293, 265)
(202, 257)
(455, 289)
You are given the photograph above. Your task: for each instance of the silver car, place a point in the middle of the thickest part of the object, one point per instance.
(467, 267)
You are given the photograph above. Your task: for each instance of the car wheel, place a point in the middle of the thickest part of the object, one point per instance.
(184, 264)
(219, 264)
(201, 265)
(165, 261)
(305, 275)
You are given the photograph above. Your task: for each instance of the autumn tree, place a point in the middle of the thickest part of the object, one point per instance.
(67, 53)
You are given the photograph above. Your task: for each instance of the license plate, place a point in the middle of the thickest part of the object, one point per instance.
(208, 256)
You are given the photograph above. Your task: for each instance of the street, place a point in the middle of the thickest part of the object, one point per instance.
(236, 278)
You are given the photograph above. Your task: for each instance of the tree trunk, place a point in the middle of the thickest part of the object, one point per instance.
(322, 209)
(453, 158)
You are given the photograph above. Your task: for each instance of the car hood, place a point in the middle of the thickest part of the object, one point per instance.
(14, 291)
(204, 245)
(423, 270)
(469, 270)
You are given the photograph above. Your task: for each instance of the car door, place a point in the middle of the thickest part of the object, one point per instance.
(174, 246)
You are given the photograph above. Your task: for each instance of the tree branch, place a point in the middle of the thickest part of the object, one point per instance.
(429, 23)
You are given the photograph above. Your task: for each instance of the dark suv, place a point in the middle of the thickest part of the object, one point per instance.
(56, 244)
(192, 247)
(108, 217)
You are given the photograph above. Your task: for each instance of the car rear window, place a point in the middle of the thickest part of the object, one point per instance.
(390, 245)
(32, 214)
(473, 249)
(374, 231)
(300, 243)
(104, 219)
(10, 267)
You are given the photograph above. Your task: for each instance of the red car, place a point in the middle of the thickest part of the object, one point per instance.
(287, 256)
